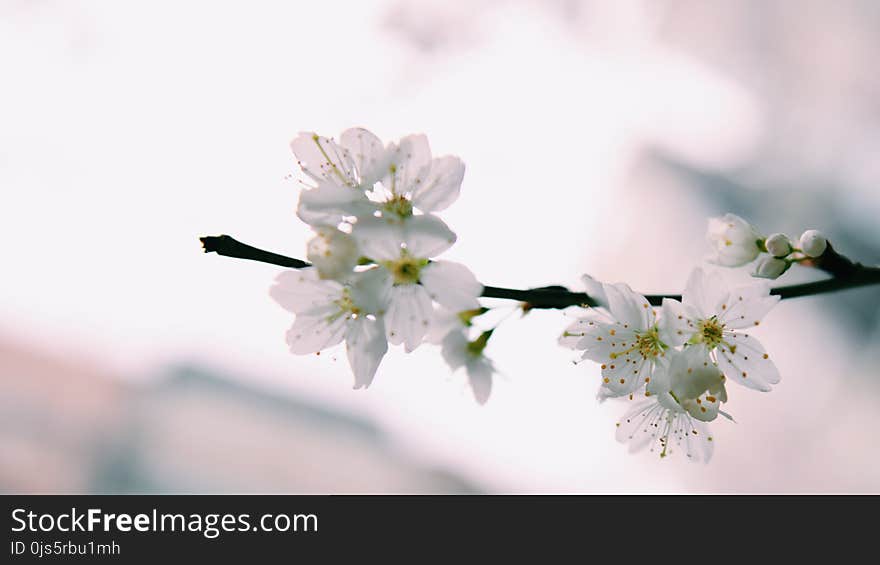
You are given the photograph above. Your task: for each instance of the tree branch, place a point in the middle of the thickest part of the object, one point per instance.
(845, 275)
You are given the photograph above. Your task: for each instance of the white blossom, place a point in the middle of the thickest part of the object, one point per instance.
(682, 396)
(342, 174)
(328, 312)
(734, 241)
(404, 249)
(413, 180)
(710, 317)
(813, 243)
(446, 321)
(648, 422)
(361, 177)
(623, 336)
(458, 351)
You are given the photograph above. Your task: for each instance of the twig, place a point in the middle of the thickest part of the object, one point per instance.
(845, 273)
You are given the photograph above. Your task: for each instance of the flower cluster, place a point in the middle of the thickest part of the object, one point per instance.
(735, 242)
(675, 361)
(374, 278)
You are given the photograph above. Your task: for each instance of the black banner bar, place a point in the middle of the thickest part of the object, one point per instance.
(123, 529)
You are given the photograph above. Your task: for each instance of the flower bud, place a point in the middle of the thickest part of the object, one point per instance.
(770, 267)
(813, 243)
(734, 241)
(778, 245)
(333, 252)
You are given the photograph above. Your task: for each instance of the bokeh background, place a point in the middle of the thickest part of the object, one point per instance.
(598, 137)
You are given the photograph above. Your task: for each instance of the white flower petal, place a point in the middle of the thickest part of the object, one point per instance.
(676, 324)
(748, 364)
(704, 292)
(698, 376)
(441, 187)
(327, 204)
(696, 438)
(595, 290)
(622, 377)
(480, 371)
(380, 239)
(409, 164)
(310, 334)
(409, 315)
(368, 154)
(301, 291)
(639, 426)
(371, 290)
(452, 285)
(479, 368)
(605, 342)
(628, 307)
(444, 322)
(454, 349)
(366, 345)
(705, 410)
(426, 236)
(323, 160)
(649, 423)
(746, 306)
(573, 337)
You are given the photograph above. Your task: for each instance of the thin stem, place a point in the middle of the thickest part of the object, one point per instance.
(845, 275)
(230, 247)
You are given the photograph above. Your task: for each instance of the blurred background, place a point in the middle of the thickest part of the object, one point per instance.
(598, 137)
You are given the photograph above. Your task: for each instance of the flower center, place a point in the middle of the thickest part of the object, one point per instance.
(399, 205)
(710, 332)
(647, 343)
(405, 270)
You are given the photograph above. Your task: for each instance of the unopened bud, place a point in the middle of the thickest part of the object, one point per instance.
(333, 252)
(778, 245)
(813, 243)
(770, 267)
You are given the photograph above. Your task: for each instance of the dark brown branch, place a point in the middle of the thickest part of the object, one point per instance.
(230, 247)
(846, 274)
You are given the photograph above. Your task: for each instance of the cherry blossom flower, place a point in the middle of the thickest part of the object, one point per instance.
(683, 395)
(404, 250)
(328, 312)
(458, 351)
(451, 330)
(446, 321)
(415, 181)
(710, 317)
(622, 335)
(648, 422)
(342, 174)
(361, 177)
(734, 241)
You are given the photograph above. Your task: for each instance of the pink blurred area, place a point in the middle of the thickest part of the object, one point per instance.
(598, 136)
